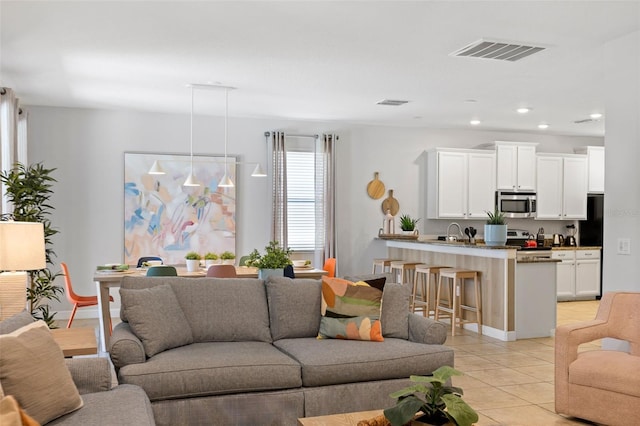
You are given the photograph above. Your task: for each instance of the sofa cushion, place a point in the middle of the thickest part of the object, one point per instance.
(294, 307)
(218, 309)
(621, 375)
(15, 322)
(213, 368)
(350, 310)
(32, 369)
(123, 405)
(332, 361)
(156, 317)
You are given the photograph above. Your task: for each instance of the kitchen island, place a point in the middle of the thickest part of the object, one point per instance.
(506, 310)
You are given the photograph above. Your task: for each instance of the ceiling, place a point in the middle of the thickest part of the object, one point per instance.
(319, 60)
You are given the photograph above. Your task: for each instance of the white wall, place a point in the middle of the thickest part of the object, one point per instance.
(87, 146)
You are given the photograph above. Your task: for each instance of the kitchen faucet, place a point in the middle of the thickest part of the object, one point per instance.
(454, 238)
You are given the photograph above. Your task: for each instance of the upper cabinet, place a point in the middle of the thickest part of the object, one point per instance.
(595, 167)
(516, 166)
(461, 183)
(562, 187)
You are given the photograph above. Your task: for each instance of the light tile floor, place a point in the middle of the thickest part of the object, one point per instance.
(507, 383)
(511, 383)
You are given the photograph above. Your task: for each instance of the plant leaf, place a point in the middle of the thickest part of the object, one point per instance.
(404, 410)
(462, 413)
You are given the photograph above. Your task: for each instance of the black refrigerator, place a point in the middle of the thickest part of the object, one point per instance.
(590, 231)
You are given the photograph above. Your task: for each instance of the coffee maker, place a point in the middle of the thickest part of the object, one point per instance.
(570, 239)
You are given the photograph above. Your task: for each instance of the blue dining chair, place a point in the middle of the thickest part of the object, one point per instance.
(146, 259)
(288, 271)
(162, 271)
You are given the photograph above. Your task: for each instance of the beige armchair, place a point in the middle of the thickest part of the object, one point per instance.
(601, 386)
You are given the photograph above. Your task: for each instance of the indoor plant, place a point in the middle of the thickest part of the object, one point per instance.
(407, 223)
(227, 257)
(210, 259)
(272, 262)
(28, 188)
(437, 402)
(495, 230)
(193, 261)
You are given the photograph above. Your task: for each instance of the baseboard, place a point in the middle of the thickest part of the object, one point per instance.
(85, 313)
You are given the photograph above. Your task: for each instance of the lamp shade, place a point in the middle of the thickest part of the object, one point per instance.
(22, 246)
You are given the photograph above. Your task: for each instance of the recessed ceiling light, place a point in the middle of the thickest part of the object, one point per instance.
(523, 110)
(596, 115)
(543, 126)
(474, 122)
(470, 101)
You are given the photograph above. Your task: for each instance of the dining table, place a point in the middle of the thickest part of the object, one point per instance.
(107, 279)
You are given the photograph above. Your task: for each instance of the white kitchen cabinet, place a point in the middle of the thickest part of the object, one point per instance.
(577, 274)
(461, 183)
(516, 166)
(561, 187)
(595, 167)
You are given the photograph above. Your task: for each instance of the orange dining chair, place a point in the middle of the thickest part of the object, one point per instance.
(330, 267)
(78, 301)
(222, 271)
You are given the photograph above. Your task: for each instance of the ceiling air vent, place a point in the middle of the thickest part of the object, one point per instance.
(392, 102)
(586, 120)
(501, 50)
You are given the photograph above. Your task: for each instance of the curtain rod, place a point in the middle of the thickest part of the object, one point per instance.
(293, 135)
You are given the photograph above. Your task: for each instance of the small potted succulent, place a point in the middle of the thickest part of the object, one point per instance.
(272, 262)
(430, 401)
(495, 230)
(408, 224)
(228, 258)
(210, 259)
(193, 261)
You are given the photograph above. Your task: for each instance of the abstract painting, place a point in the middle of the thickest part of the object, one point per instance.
(164, 218)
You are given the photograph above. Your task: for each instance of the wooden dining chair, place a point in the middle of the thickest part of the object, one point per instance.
(162, 271)
(144, 259)
(222, 271)
(330, 267)
(76, 300)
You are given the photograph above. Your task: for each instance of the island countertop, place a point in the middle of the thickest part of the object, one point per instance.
(456, 248)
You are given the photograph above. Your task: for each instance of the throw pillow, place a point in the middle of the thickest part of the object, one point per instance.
(156, 318)
(294, 307)
(350, 310)
(32, 369)
(12, 415)
(15, 322)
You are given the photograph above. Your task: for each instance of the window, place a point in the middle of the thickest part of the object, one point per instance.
(301, 205)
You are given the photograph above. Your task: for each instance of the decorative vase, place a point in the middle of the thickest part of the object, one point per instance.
(228, 261)
(495, 235)
(210, 262)
(192, 265)
(263, 274)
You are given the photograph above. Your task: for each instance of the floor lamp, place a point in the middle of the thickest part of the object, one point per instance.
(21, 249)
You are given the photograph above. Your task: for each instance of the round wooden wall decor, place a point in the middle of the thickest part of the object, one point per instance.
(375, 188)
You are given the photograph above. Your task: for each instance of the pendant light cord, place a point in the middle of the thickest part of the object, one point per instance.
(226, 118)
(191, 132)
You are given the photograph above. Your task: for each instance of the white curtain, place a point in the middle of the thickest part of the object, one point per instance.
(13, 138)
(325, 199)
(279, 188)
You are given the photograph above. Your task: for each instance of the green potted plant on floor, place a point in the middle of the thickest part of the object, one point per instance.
(495, 230)
(408, 224)
(193, 261)
(431, 401)
(272, 262)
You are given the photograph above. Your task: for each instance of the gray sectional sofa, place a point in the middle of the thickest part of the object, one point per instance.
(251, 356)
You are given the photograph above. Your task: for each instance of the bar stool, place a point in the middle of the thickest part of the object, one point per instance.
(422, 280)
(383, 263)
(456, 300)
(401, 269)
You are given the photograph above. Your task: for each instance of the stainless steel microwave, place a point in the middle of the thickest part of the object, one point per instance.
(516, 204)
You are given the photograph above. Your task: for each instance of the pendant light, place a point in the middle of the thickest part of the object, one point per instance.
(191, 180)
(156, 169)
(226, 181)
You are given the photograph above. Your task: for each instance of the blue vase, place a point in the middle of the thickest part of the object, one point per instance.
(263, 274)
(495, 235)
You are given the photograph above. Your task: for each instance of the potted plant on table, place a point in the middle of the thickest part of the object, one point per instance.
(408, 224)
(193, 261)
(228, 258)
(272, 262)
(495, 230)
(210, 259)
(431, 401)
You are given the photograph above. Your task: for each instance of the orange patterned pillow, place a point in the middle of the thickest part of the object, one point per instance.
(350, 310)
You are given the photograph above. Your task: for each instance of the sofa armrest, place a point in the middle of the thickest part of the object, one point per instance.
(90, 374)
(426, 330)
(126, 347)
